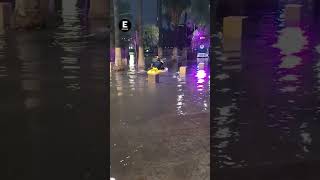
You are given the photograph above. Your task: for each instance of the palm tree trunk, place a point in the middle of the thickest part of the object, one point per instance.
(98, 9)
(141, 63)
(185, 47)
(118, 59)
(175, 50)
(112, 27)
(175, 53)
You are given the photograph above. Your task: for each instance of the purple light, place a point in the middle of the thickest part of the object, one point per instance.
(200, 81)
(201, 74)
(200, 86)
(199, 37)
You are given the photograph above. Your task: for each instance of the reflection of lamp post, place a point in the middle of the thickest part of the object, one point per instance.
(318, 48)
(291, 41)
(201, 75)
(131, 55)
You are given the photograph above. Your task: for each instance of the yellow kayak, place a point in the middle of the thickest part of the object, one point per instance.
(156, 71)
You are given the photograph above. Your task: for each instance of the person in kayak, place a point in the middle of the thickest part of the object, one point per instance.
(159, 64)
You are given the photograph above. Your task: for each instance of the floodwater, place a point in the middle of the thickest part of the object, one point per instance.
(160, 131)
(266, 123)
(52, 129)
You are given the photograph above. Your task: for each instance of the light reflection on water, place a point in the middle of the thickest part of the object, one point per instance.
(40, 88)
(67, 37)
(180, 97)
(143, 112)
(291, 40)
(266, 113)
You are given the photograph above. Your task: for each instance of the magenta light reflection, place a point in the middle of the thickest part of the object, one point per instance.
(201, 74)
(200, 81)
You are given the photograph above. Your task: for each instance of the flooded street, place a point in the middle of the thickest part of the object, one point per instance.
(266, 123)
(52, 129)
(56, 123)
(160, 131)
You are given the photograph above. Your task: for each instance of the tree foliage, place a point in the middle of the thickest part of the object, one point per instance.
(175, 8)
(200, 12)
(151, 36)
(124, 10)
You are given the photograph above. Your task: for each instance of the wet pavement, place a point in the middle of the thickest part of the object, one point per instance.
(52, 128)
(266, 123)
(54, 102)
(160, 131)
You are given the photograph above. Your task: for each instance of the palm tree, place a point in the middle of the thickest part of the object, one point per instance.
(118, 59)
(200, 11)
(213, 17)
(112, 25)
(97, 8)
(174, 9)
(141, 63)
